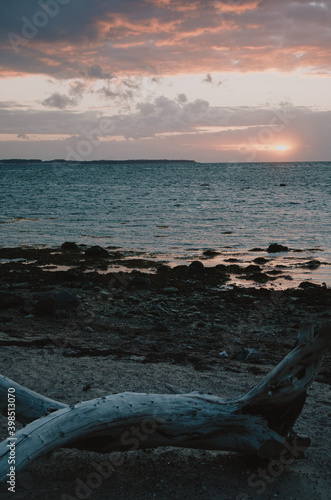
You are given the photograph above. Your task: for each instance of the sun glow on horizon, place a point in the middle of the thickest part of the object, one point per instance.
(272, 148)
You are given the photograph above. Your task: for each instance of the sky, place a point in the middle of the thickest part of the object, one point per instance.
(206, 80)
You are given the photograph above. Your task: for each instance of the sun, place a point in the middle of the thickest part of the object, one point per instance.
(282, 147)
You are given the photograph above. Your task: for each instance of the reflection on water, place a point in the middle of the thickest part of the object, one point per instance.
(175, 211)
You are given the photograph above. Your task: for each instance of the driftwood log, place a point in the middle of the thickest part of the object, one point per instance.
(259, 422)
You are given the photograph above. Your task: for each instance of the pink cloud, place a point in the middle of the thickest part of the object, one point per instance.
(179, 37)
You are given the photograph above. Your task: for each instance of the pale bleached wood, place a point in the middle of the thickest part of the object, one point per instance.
(258, 422)
(295, 372)
(170, 420)
(29, 404)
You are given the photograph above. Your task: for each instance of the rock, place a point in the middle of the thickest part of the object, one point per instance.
(163, 269)
(180, 271)
(252, 269)
(170, 290)
(97, 252)
(141, 282)
(6, 319)
(45, 307)
(8, 299)
(26, 310)
(282, 184)
(223, 354)
(307, 284)
(160, 327)
(70, 246)
(196, 266)
(259, 277)
(66, 276)
(260, 260)
(88, 285)
(256, 249)
(87, 329)
(247, 354)
(63, 300)
(210, 253)
(234, 269)
(275, 247)
(312, 264)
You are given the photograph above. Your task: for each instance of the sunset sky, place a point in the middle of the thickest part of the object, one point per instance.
(208, 80)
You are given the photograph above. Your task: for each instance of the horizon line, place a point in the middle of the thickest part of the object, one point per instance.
(149, 160)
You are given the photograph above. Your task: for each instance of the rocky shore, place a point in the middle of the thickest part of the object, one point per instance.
(69, 307)
(186, 314)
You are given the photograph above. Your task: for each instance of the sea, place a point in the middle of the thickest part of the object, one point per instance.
(175, 211)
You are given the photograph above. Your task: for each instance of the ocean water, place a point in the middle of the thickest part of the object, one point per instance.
(173, 211)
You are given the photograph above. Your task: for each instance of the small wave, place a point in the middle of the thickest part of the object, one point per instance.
(19, 219)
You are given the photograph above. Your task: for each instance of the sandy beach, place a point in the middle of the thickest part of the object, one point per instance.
(74, 335)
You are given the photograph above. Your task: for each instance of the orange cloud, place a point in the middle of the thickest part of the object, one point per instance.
(239, 8)
(178, 37)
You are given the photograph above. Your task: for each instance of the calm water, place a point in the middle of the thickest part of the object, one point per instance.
(173, 209)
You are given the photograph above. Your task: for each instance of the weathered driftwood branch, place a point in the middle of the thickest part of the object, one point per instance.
(258, 422)
(29, 405)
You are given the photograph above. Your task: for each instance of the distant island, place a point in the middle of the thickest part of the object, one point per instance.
(89, 162)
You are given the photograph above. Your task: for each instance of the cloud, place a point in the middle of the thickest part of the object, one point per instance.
(166, 115)
(97, 39)
(194, 128)
(209, 79)
(96, 72)
(45, 122)
(149, 119)
(128, 88)
(59, 101)
(78, 88)
(131, 83)
(161, 116)
(116, 93)
(11, 104)
(169, 128)
(181, 98)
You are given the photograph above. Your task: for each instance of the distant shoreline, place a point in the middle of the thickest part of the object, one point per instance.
(11, 161)
(100, 162)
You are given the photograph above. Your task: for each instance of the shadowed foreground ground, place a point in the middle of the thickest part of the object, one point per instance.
(138, 333)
